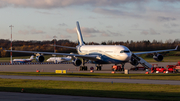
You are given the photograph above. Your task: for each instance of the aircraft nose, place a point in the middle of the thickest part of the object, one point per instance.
(127, 57)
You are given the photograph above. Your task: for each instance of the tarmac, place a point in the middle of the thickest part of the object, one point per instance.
(69, 67)
(11, 96)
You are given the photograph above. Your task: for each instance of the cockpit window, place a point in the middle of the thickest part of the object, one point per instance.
(124, 51)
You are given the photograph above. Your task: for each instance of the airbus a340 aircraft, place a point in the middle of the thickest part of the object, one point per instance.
(102, 54)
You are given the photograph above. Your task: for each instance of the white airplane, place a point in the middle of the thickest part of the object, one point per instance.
(23, 60)
(102, 54)
(59, 59)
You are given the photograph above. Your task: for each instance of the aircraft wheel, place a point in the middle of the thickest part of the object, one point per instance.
(85, 67)
(80, 68)
(97, 68)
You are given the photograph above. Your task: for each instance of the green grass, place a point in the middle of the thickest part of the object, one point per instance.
(96, 89)
(101, 75)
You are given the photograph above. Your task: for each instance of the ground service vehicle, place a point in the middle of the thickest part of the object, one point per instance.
(116, 68)
(174, 68)
(157, 69)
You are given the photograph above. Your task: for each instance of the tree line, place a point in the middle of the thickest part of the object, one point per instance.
(33, 45)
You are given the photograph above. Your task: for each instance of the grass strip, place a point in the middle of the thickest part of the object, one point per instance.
(101, 75)
(95, 89)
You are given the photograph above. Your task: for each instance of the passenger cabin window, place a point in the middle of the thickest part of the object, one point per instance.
(124, 51)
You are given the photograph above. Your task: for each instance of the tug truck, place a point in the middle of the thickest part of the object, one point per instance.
(174, 68)
(158, 69)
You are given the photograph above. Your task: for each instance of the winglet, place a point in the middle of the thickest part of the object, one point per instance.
(176, 47)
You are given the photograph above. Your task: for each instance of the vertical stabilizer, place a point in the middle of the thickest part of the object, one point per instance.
(32, 57)
(80, 38)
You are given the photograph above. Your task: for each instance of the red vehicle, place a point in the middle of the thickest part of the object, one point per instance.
(161, 69)
(174, 68)
(156, 68)
(116, 68)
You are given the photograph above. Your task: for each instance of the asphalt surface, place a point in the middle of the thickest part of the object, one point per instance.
(169, 82)
(10, 96)
(68, 67)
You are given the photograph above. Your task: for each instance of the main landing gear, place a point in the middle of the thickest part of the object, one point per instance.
(98, 67)
(83, 67)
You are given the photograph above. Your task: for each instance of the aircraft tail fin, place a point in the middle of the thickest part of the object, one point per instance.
(80, 38)
(32, 57)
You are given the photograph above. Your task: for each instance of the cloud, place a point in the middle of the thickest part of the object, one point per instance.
(87, 32)
(48, 37)
(170, 25)
(63, 24)
(24, 32)
(114, 34)
(149, 32)
(46, 4)
(32, 31)
(46, 13)
(171, 31)
(109, 26)
(65, 36)
(162, 18)
(116, 13)
(105, 34)
(71, 30)
(91, 32)
(169, 0)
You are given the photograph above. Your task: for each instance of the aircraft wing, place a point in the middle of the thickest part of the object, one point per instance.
(64, 46)
(90, 57)
(139, 53)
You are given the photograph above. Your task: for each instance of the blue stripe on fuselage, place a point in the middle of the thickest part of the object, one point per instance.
(106, 60)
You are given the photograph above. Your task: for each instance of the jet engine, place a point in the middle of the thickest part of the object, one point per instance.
(40, 58)
(77, 62)
(158, 57)
(134, 62)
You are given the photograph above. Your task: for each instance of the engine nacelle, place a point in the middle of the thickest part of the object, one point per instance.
(40, 58)
(77, 62)
(134, 62)
(158, 57)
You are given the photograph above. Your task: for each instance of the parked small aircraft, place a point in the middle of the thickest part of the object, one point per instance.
(24, 60)
(59, 59)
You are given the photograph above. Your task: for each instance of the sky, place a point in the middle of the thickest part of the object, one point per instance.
(100, 20)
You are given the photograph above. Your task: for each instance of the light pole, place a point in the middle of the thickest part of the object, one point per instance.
(11, 42)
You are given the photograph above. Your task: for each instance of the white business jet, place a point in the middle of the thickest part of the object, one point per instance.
(102, 54)
(23, 60)
(59, 59)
